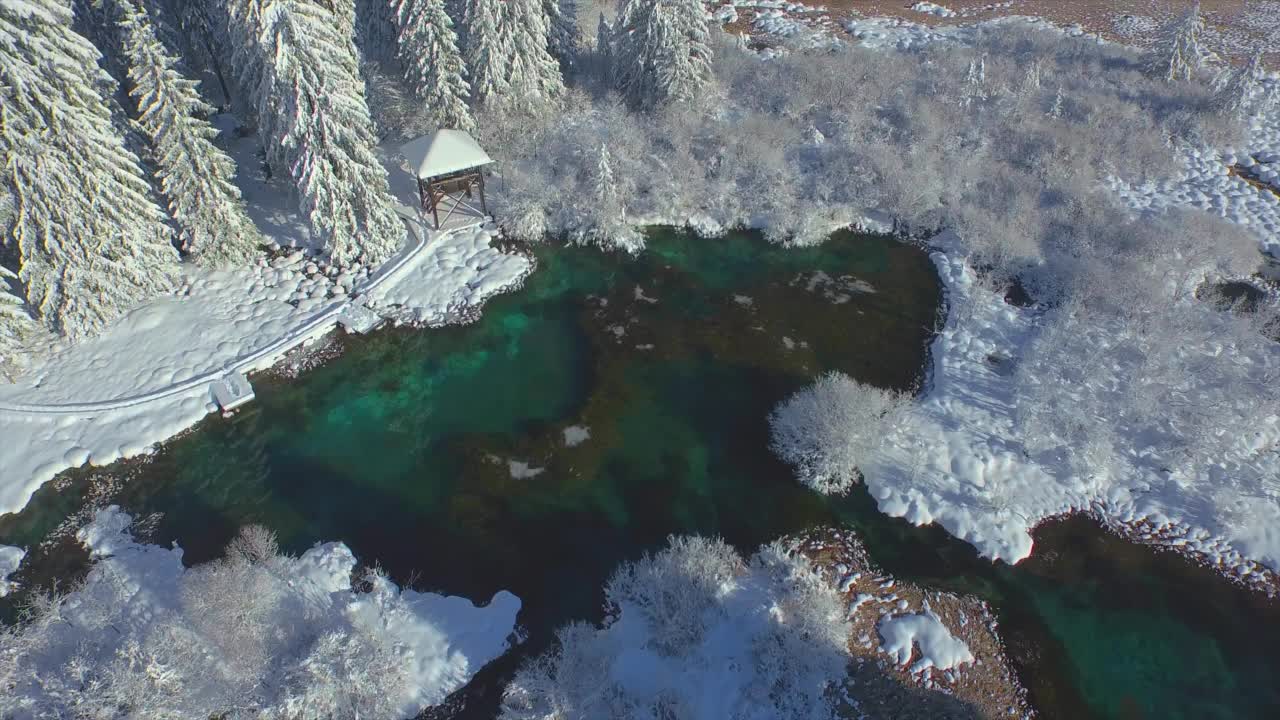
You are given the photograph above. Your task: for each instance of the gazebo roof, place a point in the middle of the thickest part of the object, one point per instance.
(443, 152)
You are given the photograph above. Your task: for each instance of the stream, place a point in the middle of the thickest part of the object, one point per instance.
(612, 402)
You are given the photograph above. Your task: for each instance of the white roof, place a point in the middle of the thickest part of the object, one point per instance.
(443, 152)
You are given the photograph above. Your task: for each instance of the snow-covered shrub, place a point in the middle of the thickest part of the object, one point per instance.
(698, 634)
(825, 430)
(1130, 353)
(255, 634)
(1179, 50)
(812, 140)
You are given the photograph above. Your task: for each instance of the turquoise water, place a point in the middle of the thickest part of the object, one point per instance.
(404, 446)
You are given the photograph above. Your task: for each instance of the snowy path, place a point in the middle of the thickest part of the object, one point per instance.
(251, 361)
(148, 377)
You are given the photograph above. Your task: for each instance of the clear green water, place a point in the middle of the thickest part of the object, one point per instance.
(401, 448)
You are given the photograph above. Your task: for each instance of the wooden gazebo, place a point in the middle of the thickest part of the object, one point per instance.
(447, 164)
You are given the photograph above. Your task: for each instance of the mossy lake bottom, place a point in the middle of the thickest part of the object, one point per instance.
(614, 401)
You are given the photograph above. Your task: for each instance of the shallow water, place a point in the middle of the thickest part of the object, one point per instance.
(442, 456)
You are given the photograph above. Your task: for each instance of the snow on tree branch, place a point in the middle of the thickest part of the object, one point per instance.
(826, 430)
(1179, 51)
(195, 175)
(699, 634)
(254, 634)
(316, 124)
(91, 239)
(428, 50)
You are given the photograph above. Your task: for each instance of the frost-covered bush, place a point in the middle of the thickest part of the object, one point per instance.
(1012, 157)
(255, 634)
(1131, 370)
(825, 430)
(698, 634)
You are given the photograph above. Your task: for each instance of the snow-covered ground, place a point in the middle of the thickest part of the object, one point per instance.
(146, 633)
(147, 378)
(959, 458)
(10, 558)
(701, 635)
(938, 647)
(960, 461)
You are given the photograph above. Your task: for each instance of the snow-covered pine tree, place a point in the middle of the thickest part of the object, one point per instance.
(975, 81)
(1179, 50)
(604, 38)
(91, 240)
(1237, 87)
(244, 28)
(533, 75)
(316, 124)
(344, 15)
(191, 30)
(606, 186)
(376, 30)
(15, 321)
(196, 176)
(563, 39)
(1055, 110)
(19, 331)
(488, 51)
(661, 51)
(598, 62)
(428, 50)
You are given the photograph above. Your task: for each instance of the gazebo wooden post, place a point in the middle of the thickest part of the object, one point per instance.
(483, 208)
(435, 208)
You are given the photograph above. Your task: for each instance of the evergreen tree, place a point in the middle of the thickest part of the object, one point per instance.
(488, 52)
(1055, 110)
(317, 125)
(533, 75)
(433, 65)
(603, 51)
(17, 326)
(192, 31)
(243, 20)
(196, 176)
(1179, 51)
(604, 37)
(661, 51)
(376, 30)
(1239, 89)
(563, 38)
(91, 240)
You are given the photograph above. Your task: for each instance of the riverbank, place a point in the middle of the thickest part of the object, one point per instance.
(954, 654)
(148, 377)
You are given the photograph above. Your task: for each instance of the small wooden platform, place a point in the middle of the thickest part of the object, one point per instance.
(359, 319)
(232, 391)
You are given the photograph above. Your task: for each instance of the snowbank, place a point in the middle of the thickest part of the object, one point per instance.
(147, 377)
(10, 559)
(700, 635)
(145, 634)
(959, 458)
(458, 273)
(938, 647)
(928, 8)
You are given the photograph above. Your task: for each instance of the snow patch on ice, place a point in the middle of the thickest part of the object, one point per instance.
(575, 435)
(521, 470)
